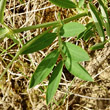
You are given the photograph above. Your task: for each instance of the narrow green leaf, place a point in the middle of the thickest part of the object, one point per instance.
(88, 32)
(72, 29)
(97, 20)
(39, 42)
(63, 3)
(105, 16)
(2, 7)
(54, 82)
(75, 53)
(81, 3)
(81, 35)
(90, 25)
(77, 70)
(44, 68)
(98, 46)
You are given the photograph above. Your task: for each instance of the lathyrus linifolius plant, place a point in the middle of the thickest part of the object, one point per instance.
(71, 54)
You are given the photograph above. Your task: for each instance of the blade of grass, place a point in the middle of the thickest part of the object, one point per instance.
(9, 65)
(2, 7)
(97, 21)
(105, 16)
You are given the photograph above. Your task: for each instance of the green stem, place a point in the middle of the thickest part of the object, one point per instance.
(59, 38)
(60, 43)
(54, 23)
(9, 65)
(75, 17)
(7, 49)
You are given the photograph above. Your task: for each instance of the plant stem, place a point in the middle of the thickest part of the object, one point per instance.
(54, 23)
(66, 20)
(9, 65)
(61, 23)
(59, 38)
(60, 43)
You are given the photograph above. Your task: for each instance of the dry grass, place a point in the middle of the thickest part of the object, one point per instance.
(72, 94)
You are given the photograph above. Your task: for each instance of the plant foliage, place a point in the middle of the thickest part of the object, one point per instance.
(97, 21)
(64, 3)
(72, 29)
(75, 53)
(44, 68)
(54, 82)
(71, 55)
(2, 7)
(39, 42)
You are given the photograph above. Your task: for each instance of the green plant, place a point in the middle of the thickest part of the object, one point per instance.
(71, 54)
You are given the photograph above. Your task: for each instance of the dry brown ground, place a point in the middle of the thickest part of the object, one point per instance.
(72, 94)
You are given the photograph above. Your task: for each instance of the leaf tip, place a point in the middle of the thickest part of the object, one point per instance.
(47, 98)
(30, 86)
(47, 102)
(91, 79)
(31, 83)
